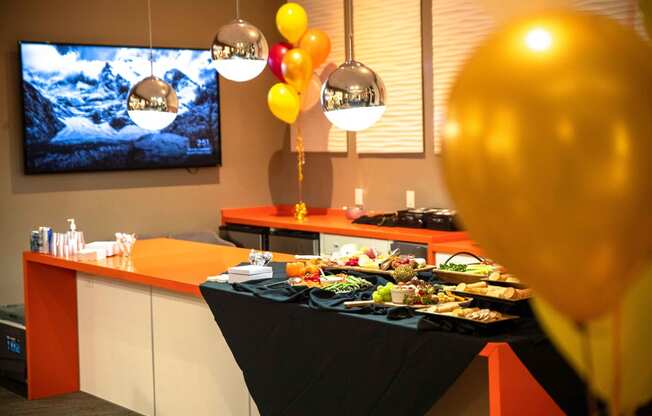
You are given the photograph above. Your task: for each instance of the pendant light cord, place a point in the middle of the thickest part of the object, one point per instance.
(149, 29)
(348, 18)
(237, 9)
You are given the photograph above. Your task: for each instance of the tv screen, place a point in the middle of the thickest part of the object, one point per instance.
(75, 108)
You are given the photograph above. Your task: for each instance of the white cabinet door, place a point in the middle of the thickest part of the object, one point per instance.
(195, 372)
(330, 243)
(115, 349)
(253, 411)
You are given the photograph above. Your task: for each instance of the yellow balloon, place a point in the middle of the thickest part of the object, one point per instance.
(548, 156)
(635, 345)
(297, 68)
(283, 101)
(291, 21)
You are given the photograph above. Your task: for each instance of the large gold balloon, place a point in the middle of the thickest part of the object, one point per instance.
(297, 68)
(548, 156)
(635, 341)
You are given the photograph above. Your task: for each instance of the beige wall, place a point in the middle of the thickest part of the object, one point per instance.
(258, 167)
(139, 201)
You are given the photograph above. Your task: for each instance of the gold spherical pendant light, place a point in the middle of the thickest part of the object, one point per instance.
(239, 50)
(353, 96)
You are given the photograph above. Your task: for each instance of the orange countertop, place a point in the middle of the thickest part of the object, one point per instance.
(332, 221)
(175, 265)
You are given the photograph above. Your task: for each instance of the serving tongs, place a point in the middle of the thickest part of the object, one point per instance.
(385, 264)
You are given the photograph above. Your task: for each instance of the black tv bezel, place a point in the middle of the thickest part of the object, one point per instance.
(27, 171)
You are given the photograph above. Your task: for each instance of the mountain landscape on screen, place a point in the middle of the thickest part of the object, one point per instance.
(75, 115)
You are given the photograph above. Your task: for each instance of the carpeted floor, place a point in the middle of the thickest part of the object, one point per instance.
(78, 404)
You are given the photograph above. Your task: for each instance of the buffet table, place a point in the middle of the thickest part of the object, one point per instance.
(298, 357)
(136, 331)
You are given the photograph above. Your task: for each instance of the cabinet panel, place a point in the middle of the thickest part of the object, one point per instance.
(331, 242)
(195, 372)
(115, 349)
(253, 411)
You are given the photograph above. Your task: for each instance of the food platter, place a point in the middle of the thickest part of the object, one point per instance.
(510, 295)
(504, 283)
(448, 315)
(363, 303)
(492, 298)
(457, 277)
(374, 271)
(451, 276)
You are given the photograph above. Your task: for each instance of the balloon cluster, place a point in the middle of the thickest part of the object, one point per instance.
(293, 61)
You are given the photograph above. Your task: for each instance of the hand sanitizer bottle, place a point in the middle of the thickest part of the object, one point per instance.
(75, 238)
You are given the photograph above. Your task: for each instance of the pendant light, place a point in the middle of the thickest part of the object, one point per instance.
(239, 49)
(152, 103)
(353, 96)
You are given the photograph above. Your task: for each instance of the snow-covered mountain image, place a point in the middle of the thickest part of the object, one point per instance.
(75, 111)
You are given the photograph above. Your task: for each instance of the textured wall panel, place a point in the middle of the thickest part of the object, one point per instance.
(460, 25)
(318, 134)
(388, 40)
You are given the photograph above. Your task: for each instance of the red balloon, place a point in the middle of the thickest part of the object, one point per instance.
(275, 58)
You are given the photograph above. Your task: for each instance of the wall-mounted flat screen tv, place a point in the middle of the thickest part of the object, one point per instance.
(75, 108)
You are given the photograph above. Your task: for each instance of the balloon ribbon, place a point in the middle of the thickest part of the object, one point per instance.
(583, 329)
(616, 360)
(300, 209)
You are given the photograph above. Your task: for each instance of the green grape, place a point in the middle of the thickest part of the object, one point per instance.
(387, 296)
(377, 297)
(390, 285)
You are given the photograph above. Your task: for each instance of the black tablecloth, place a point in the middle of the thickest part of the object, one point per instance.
(301, 354)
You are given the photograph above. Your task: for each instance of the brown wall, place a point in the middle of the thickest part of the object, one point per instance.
(138, 201)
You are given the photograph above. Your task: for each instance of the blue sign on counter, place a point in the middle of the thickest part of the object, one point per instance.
(13, 345)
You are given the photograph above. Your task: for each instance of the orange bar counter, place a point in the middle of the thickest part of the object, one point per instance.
(135, 331)
(332, 221)
(104, 326)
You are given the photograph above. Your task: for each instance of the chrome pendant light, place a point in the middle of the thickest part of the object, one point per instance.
(152, 103)
(239, 49)
(353, 96)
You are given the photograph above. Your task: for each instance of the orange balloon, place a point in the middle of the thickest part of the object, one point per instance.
(548, 156)
(317, 44)
(297, 68)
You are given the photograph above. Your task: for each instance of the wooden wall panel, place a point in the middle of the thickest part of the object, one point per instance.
(318, 134)
(461, 25)
(388, 40)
